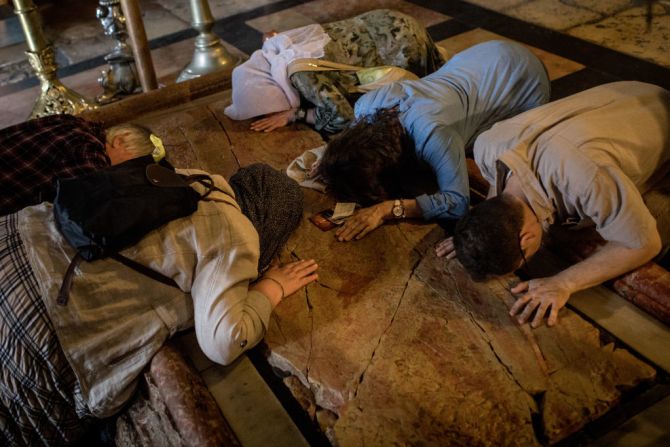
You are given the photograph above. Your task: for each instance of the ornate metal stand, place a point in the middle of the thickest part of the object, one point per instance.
(121, 77)
(54, 96)
(210, 54)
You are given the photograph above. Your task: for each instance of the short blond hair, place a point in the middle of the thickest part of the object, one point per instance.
(135, 137)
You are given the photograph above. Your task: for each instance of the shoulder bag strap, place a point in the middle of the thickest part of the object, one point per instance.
(313, 64)
(64, 292)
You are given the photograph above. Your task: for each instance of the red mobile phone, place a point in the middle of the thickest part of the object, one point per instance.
(322, 221)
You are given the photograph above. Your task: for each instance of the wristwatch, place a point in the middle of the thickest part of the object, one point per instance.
(300, 114)
(398, 209)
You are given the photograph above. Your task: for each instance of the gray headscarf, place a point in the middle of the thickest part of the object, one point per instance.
(272, 202)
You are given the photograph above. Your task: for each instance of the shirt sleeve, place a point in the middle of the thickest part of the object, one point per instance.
(616, 207)
(445, 153)
(332, 110)
(229, 318)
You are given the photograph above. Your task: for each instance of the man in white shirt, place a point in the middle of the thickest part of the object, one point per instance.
(589, 159)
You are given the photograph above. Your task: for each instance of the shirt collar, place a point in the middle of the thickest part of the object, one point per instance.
(516, 161)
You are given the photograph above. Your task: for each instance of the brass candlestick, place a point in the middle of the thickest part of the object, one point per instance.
(120, 79)
(210, 54)
(54, 96)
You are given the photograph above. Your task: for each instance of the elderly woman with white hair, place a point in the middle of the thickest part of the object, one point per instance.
(35, 153)
(269, 84)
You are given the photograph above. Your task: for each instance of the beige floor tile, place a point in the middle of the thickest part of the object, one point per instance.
(603, 7)
(219, 8)
(247, 403)
(280, 21)
(557, 66)
(552, 14)
(648, 428)
(159, 22)
(627, 32)
(322, 11)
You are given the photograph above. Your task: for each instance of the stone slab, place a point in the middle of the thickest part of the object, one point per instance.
(552, 14)
(557, 66)
(247, 403)
(280, 21)
(647, 429)
(636, 328)
(398, 346)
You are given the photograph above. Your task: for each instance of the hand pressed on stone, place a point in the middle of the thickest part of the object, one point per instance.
(542, 295)
(446, 248)
(281, 281)
(274, 121)
(361, 223)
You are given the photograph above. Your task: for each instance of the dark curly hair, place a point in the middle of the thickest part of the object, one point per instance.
(370, 161)
(487, 239)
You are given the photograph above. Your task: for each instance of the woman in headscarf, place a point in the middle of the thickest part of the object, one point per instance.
(262, 85)
(64, 365)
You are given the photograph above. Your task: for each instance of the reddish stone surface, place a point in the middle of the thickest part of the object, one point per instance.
(399, 346)
(649, 288)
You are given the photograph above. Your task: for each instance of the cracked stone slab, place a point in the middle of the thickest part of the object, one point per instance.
(454, 369)
(398, 346)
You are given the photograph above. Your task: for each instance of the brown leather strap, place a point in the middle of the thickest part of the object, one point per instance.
(64, 292)
(146, 271)
(204, 180)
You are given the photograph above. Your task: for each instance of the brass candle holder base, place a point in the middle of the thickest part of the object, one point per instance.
(54, 96)
(210, 55)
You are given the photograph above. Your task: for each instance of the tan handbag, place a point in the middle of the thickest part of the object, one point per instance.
(369, 78)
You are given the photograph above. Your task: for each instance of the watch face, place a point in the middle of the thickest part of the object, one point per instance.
(397, 211)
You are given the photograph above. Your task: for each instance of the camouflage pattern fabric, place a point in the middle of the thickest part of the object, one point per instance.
(380, 37)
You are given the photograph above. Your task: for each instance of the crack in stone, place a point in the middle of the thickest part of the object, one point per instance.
(190, 145)
(381, 337)
(225, 132)
(414, 249)
(310, 310)
(537, 418)
(325, 286)
(535, 414)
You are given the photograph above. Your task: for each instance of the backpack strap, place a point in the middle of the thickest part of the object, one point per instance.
(64, 292)
(146, 271)
(204, 180)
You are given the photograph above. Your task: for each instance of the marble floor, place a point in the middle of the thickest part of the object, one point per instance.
(587, 41)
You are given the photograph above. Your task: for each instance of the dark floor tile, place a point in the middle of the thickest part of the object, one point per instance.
(578, 81)
(447, 29)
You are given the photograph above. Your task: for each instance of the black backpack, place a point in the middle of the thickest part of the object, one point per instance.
(103, 212)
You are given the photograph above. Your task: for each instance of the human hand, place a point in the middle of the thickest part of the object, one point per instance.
(313, 169)
(361, 223)
(281, 281)
(446, 248)
(274, 121)
(542, 295)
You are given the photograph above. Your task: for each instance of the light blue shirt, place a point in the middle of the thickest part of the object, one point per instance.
(446, 110)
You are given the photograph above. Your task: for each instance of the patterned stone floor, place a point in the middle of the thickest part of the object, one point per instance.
(587, 42)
